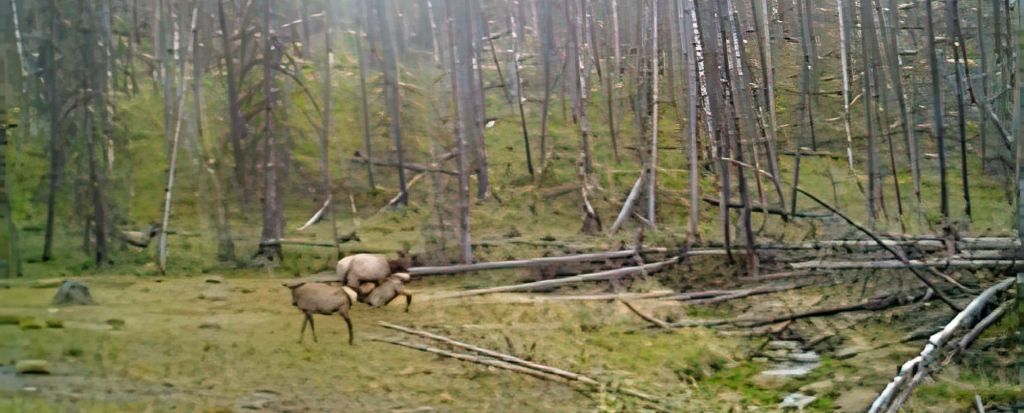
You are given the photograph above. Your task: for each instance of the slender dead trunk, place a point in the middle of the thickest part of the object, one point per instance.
(686, 17)
(172, 166)
(236, 122)
(844, 59)
(937, 111)
(520, 94)
(56, 147)
(364, 19)
(868, 39)
(392, 94)
(460, 34)
(547, 46)
(652, 177)
(325, 131)
(273, 215)
(953, 23)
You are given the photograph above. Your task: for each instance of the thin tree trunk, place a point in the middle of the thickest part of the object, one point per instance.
(844, 59)
(325, 131)
(364, 19)
(236, 123)
(937, 112)
(953, 23)
(520, 94)
(172, 166)
(547, 46)
(392, 94)
(273, 216)
(691, 117)
(652, 177)
(460, 40)
(56, 146)
(868, 39)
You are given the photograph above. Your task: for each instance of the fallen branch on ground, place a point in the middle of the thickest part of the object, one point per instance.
(897, 264)
(767, 210)
(529, 263)
(914, 371)
(895, 251)
(408, 166)
(520, 365)
(597, 276)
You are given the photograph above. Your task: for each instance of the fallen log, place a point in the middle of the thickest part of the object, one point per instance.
(530, 263)
(767, 210)
(913, 371)
(895, 251)
(897, 264)
(597, 276)
(350, 237)
(604, 297)
(415, 167)
(809, 152)
(475, 359)
(767, 289)
(627, 206)
(874, 304)
(520, 365)
(316, 217)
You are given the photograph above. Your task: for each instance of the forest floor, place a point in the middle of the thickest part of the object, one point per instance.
(214, 343)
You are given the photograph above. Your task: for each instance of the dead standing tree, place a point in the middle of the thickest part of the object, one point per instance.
(273, 213)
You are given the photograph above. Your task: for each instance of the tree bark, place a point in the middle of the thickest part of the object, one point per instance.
(392, 92)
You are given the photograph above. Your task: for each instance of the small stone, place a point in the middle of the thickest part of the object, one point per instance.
(31, 324)
(116, 323)
(214, 279)
(247, 290)
(32, 367)
(783, 344)
(819, 387)
(209, 325)
(797, 401)
(214, 294)
(47, 283)
(806, 357)
(72, 292)
(54, 323)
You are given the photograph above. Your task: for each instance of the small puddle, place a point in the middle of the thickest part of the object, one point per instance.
(787, 359)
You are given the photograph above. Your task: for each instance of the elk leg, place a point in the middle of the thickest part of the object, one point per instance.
(349, 323)
(408, 299)
(302, 331)
(309, 317)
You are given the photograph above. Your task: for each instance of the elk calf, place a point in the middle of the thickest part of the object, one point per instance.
(389, 289)
(318, 298)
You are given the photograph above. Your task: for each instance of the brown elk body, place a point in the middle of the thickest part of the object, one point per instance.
(357, 269)
(389, 289)
(318, 298)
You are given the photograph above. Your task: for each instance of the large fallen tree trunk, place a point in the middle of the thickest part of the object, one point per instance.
(530, 263)
(897, 264)
(597, 276)
(915, 370)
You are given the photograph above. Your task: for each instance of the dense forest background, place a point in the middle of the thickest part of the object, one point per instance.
(437, 124)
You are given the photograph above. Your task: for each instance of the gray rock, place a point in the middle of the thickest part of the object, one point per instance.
(32, 367)
(797, 401)
(214, 294)
(805, 357)
(214, 279)
(783, 344)
(72, 292)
